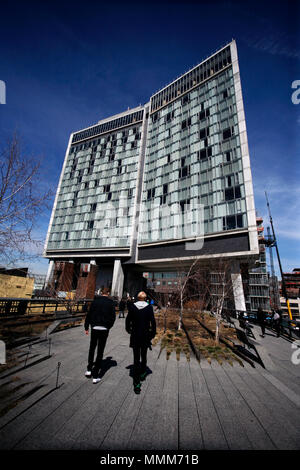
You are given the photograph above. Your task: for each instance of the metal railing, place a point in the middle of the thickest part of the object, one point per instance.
(290, 328)
(17, 306)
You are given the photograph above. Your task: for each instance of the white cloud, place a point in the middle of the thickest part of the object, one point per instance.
(273, 42)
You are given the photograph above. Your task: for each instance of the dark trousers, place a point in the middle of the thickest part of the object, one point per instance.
(277, 327)
(98, 339)
(121, 314)
(139, 361)
(262, 325)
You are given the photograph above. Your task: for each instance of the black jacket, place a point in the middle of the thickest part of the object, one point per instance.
(141, 325)
(101, 313)
(260, 315)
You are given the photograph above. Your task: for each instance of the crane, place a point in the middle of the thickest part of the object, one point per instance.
(279, 262)
(270, 244)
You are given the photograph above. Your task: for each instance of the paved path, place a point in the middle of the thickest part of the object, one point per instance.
(183, 405)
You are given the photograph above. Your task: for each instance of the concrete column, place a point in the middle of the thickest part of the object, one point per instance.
(49, 272)
(117, 280)
(237, 286)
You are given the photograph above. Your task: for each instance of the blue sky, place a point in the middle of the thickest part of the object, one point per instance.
(67, 65)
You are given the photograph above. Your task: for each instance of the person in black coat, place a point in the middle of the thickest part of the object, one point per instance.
(122, 306)
(101, 318)
(261, 320)
(140, 324)
(276, 321)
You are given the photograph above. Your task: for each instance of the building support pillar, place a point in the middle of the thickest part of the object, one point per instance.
(117, 280)
(237, 286)
(49, 273)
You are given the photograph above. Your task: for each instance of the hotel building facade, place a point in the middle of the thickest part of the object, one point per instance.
(157, 185)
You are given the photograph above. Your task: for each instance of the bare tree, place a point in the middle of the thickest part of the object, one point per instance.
(159, 299)
(210, 282)
(22, 200)
(219, 288)
(187, 277)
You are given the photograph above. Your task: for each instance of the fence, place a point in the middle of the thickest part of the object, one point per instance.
(288, 327)
(40, 306)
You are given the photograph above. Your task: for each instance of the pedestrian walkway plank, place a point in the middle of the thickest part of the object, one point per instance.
(287, 374)
(82, 428)
(142, 436)
(278, 405)
(190, 436)
(235, 435)
(122, 427)
(212, 432)
(49, 431)
(250, 425)
(165, 429)
(182, 405)
(258, 405)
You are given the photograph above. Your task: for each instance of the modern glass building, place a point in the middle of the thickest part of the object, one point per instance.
(100, 171)
(162, 183)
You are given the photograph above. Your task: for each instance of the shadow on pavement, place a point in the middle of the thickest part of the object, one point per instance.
(106, 364)
(137, 387)
(253, 357)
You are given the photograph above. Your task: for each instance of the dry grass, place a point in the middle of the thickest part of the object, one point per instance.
(175, 340)
(66, 325)
(11, 331)
(204, 342)
(171, 340)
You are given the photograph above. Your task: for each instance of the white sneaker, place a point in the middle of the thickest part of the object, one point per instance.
(88, 373)
(95, 381)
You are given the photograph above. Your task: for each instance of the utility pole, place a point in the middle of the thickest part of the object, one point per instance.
(279, 262)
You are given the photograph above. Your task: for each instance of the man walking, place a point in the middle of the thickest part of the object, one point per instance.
(140, 324)
(122, 306)
(276, 320)
(261, 320)
(101, 318)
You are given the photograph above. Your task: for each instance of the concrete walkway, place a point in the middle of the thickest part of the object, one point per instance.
(183, 405)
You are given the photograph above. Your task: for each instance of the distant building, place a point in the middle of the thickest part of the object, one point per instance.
(274, 292)
(20, 272)
(39, 285)
(163, 282)
(256, 282)
(294, 306)
(39, 281)
(292, 284)
(15, 283)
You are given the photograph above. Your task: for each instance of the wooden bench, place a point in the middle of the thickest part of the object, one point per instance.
(243, 338)
(244, 325)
